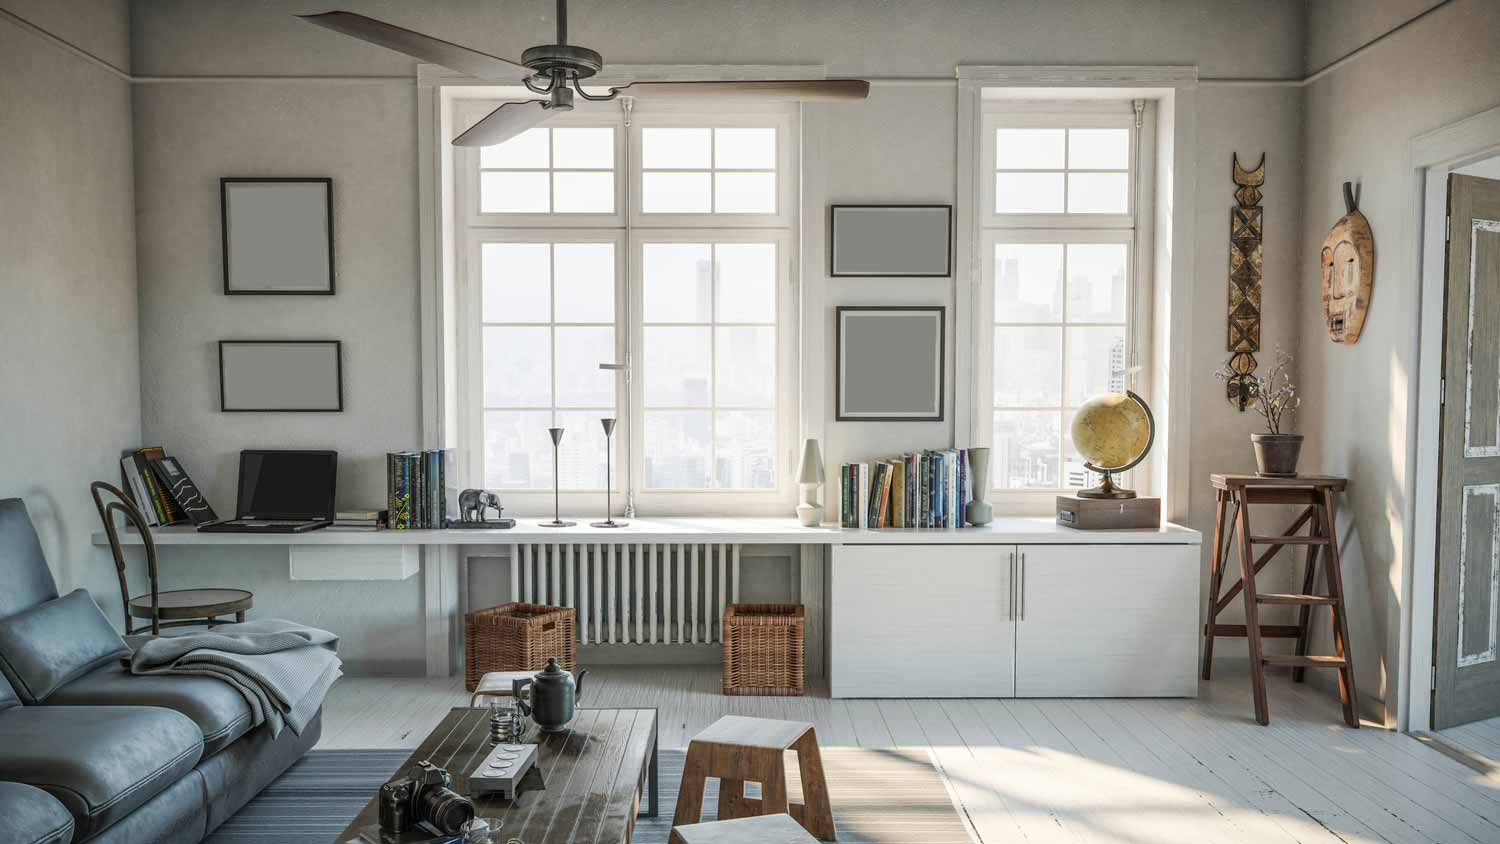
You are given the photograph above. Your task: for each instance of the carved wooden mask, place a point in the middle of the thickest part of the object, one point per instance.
(1348, 259)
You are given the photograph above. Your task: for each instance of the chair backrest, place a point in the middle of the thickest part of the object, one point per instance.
(123, 505)
(23, 568)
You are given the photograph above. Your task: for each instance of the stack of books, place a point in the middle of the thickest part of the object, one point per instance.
(417, 489)
(926, 489)
(145, 484)
(358, 520)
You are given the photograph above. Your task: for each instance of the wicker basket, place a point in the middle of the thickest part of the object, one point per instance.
(763, 649)
(518, 637)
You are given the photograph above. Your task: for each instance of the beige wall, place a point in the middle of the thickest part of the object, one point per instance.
(69, 357)
(1358, 413)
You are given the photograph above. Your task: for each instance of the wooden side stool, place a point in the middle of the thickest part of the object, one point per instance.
(737, 750)
(762, 829)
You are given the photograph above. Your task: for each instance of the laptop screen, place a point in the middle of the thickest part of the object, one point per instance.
(287, 484)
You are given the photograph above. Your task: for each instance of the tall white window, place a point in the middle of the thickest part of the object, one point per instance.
(664, 246)
(1059, 247)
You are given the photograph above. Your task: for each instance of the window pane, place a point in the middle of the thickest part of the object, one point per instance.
(1028, 366)
(747, 149)
(1096, 362)
(745, 450)
(746, 281)
(1096, 282)
(517, 450)
(580, 381)
(1098, 149)
(1097, 193)
(745, 366)
(585, 282)
(676, 449)
(515, 283)
(1025, 450)
(506, 192)
(580, 456)
(676, 149)
(676, 365)
(1028, 193)
(1028, 282)
(676, 280)
(527, 150)
(745, 193)
(583, 193)
(675, 193)
(1074, 475)
(1028, 149)
(517, 366)
(583, 148)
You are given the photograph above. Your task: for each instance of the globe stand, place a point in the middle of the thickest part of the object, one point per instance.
(1106, 488)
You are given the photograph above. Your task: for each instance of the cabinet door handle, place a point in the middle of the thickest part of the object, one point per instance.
(1022, 589)
(1011, 610)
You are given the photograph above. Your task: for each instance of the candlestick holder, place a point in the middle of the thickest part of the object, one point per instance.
(557, 521)
(609, 521)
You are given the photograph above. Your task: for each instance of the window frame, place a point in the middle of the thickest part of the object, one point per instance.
(687, 117)
(1057, 116)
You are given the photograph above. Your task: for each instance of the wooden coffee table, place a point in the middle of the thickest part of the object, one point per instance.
(587, 784)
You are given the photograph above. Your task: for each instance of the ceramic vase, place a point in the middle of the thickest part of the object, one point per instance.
(978, 511)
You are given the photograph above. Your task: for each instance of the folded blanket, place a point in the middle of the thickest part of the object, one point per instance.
(283, 669)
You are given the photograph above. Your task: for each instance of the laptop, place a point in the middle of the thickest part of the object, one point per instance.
(282, 492)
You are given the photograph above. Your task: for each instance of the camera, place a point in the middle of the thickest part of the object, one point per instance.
(422, 793)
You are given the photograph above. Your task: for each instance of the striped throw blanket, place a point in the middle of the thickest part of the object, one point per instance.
(283, 669)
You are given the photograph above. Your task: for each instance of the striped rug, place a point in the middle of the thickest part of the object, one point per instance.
(879, 796)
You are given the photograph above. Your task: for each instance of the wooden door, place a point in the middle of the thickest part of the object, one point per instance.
(1107, 621)
(1468, 599)
(921, 621)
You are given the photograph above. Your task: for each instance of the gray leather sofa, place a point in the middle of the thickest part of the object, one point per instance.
(89, 752)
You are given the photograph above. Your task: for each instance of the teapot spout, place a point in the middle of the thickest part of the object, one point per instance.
(578, 685)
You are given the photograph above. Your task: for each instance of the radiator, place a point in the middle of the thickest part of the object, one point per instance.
(641, 594)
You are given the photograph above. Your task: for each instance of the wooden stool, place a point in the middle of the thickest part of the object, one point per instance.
(737, 750)
(498, 684)
(762, 829)
(1315, 492)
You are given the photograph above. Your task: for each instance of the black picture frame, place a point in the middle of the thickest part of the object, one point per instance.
(833, 270)
(338, 356)
(841, 414)
(225, 182)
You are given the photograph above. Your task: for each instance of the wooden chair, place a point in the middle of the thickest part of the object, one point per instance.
(174, 608)
(738, 750)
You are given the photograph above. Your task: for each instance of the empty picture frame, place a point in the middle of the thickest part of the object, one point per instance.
(911, 241)
(890, 364)
(276, 376)
(278, 235)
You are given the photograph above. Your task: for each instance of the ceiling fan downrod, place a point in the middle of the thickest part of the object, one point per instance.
(562, 65)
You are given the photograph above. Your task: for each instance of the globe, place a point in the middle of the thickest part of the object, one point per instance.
(1112, 431)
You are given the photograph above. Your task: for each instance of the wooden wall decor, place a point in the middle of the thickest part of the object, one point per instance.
(1244, 279)
(1348, 260)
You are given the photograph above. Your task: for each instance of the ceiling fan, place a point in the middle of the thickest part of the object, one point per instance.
(556, 71)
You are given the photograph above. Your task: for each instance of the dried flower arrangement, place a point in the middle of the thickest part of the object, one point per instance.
(1273, 394)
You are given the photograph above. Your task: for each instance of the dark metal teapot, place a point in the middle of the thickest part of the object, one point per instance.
(553, 696)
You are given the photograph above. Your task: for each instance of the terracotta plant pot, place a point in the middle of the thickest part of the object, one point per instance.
(1276, 454)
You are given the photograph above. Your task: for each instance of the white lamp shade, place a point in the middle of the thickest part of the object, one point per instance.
(812, 464)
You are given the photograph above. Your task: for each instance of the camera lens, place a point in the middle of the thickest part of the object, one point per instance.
(445, 809)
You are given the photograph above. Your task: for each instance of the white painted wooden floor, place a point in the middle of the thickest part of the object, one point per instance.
(1129, 771)
(1481, 738)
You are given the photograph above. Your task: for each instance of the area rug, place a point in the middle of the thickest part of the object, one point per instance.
(879, 796)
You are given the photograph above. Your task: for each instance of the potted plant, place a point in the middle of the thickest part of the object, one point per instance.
(1274, 396)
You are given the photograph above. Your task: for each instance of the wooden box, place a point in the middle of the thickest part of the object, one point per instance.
(1108, 513)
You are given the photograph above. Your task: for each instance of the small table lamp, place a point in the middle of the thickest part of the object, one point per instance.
(810, 512)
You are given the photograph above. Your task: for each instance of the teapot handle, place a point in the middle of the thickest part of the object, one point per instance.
(578, 685)
(516, 687)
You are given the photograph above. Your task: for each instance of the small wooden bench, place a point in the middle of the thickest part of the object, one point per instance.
(738, 750)
(762, 829)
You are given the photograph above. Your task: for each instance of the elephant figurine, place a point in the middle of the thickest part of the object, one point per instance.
(472, 504)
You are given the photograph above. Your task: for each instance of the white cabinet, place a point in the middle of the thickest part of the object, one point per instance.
(1013, 620)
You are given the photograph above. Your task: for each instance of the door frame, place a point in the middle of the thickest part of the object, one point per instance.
(1432, 157)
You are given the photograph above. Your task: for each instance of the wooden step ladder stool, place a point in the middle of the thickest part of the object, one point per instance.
(1315, 493)
(737, 750)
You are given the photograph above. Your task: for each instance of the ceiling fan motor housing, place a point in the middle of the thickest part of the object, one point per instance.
(576, 62)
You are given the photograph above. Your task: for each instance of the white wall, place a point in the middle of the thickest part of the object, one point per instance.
(69, 356)
(1358, 413)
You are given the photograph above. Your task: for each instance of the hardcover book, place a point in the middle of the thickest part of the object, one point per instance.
(174, 479)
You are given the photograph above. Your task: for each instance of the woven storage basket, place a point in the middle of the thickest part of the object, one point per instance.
(518, 637)
(763, 649)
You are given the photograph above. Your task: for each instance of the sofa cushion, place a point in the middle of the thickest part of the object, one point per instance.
(23, 569)
(8, 697)
(43, 647)
(29, 815)
(221, 713)
(101, 762)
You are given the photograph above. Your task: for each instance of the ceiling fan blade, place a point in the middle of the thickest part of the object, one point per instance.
(504, 123)
(784, 90)
(422, 47)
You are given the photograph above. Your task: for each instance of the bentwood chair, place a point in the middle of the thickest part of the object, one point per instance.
(174, 608)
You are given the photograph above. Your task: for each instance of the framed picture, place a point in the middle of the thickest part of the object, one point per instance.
(910, 241)
(890, 363)
(276, 376)
(278, 235)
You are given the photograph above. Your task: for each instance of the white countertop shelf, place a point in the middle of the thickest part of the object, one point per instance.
(744, 531)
